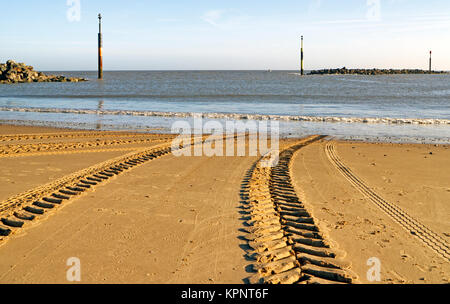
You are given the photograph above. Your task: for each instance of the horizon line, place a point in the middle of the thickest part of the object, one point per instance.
(235, 70)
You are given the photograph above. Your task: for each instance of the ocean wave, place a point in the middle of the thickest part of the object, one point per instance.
(238, 116)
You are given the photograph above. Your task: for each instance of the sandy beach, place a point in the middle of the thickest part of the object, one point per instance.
(132, 212)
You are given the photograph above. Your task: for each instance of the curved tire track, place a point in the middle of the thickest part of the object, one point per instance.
(20, 210)
(413, 226)
(285, 243)
(23, 209)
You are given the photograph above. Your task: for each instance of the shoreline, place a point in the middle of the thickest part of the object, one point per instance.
(4, 127)
(239, 116)
(423, 134)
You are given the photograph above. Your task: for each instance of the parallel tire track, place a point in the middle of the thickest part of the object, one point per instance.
(19, 137)
(286, 244)
(29, 149)
(413, 226)
(69, 152)
(23, 209)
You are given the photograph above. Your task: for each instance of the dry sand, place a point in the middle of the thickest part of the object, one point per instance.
(180, 219)
(405, 175)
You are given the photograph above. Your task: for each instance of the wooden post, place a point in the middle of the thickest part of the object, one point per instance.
(100, 48)
(430, 62)
(301, 59)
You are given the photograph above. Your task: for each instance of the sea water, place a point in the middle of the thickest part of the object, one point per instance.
(386, 107)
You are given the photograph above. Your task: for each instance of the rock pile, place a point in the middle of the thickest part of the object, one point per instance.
(13, 72)
(345, 71)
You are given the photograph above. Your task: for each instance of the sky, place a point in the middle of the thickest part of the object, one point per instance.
(226, 35)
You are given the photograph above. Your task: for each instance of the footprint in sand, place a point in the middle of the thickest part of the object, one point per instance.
(404, 255)
(340, 224)
(386, 179)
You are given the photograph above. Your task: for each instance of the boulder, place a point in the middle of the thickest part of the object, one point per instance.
(13, 72)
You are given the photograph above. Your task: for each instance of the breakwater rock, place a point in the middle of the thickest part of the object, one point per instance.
(13, 72)
(345, 71)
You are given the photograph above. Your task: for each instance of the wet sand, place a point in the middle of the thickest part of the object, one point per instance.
(182, 219)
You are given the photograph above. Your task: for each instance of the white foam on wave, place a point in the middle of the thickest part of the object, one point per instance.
(237, 116)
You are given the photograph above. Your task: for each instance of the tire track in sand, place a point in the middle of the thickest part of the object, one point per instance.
(18, 150)
(285, 243)
(431, 239)
(26, 208)
(21, 137)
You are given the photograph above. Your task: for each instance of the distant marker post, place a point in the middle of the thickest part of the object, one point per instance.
(430, 62)
(100, 48)
(301, 59)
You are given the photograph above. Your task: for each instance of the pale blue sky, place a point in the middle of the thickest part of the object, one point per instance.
(245, 34)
